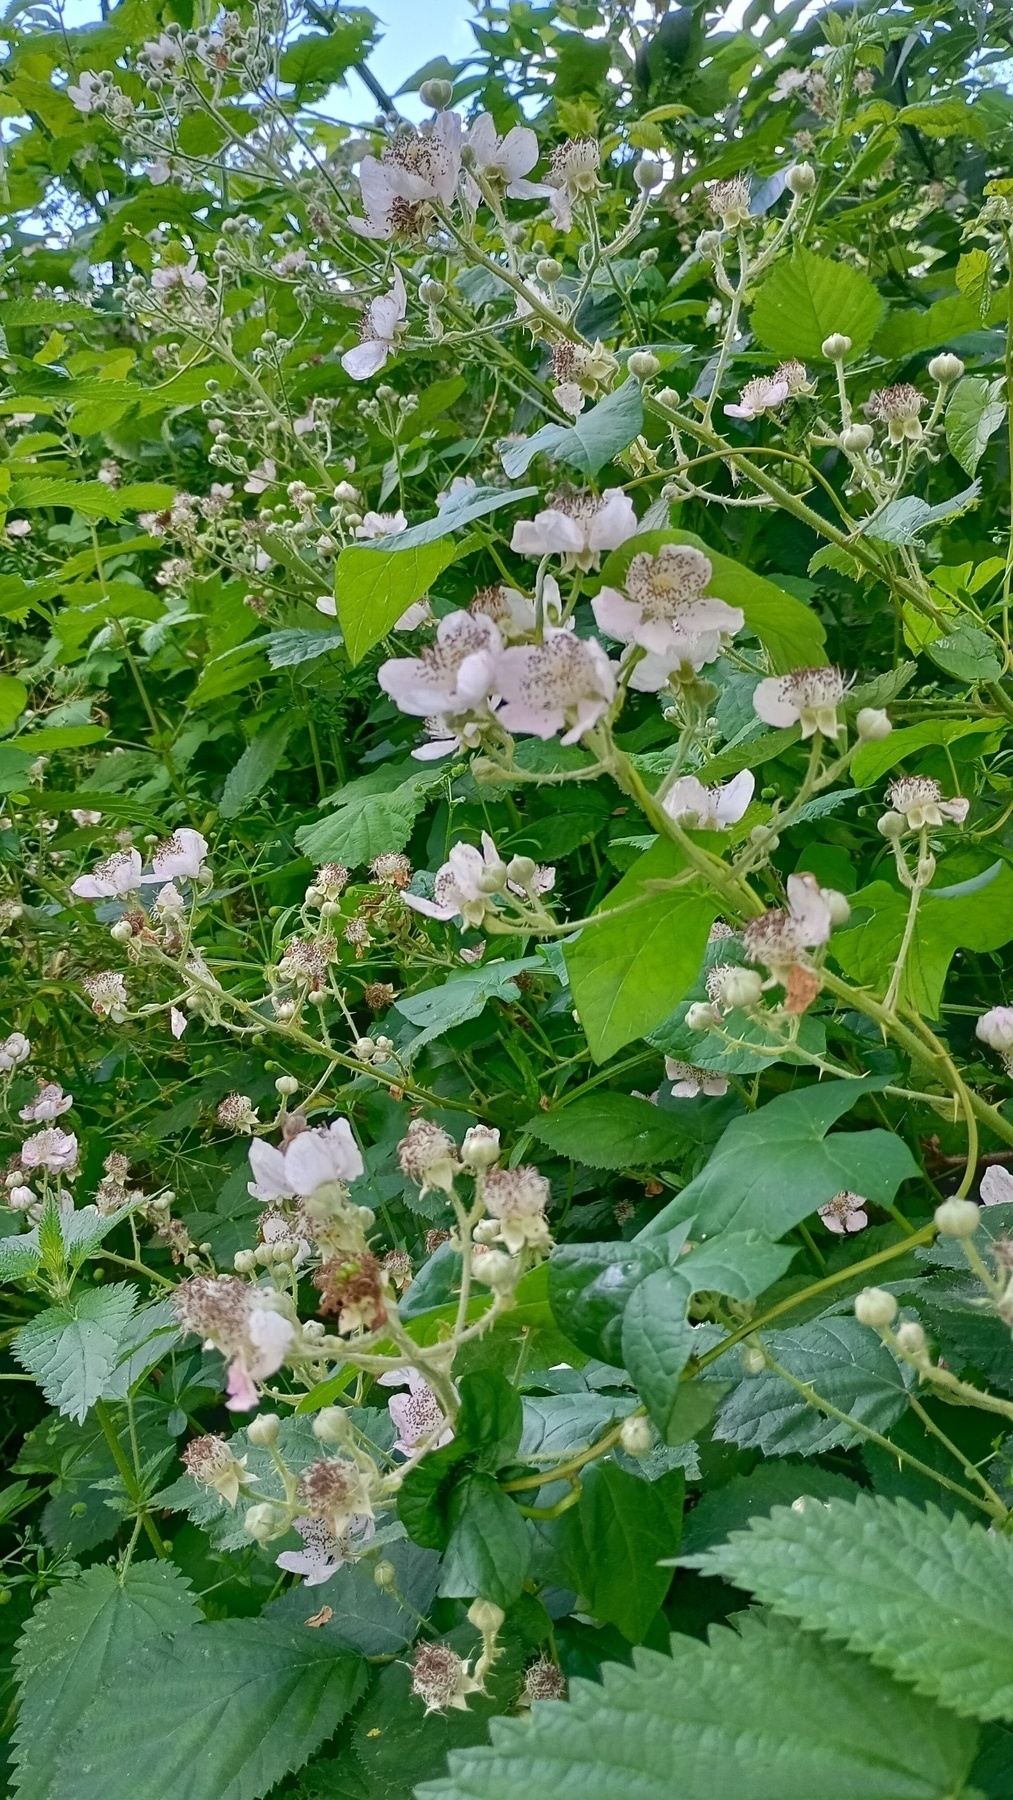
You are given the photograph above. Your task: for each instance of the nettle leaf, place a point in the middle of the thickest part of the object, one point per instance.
(78, 1640)
(844, 1362)
(977, 918)
(250, 775)
(628, 973)
(775, 1166)
(240, 1703)
(72, 1349)
(611, 1131)
(926, 1596)
(759, 1713)
(593, 440)
(615, 1540)
(807, 297)
(791, 633)
(974, 412)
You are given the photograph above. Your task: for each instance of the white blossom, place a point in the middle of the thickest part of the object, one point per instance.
(14, 1049)
(378, 331)
(702, 808)
(52, 1149)
(50, 1103)
(564, 684)
(312, 1158)
(117, 876)
(577, 527)
(806, 697)
(464, 884)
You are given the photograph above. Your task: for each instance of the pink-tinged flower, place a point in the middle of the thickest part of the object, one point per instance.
(573, 175)
(380, 525)
(440, 1677)
(845, 1212)
(577, 527)
(378, 332)
(563, 685)
(455, 674)
(689, 1080)
(52, 1149)
(920, 801)
(513, 613)
(180, 858)
(178, 1022)
(118, 875)
(269, 1334)
(995, 1028)
(779, 939)
(503, 161)
(465, 884)
(238, 1320)
(416, 1415)
(50, 1103)
(767, 393)
(308, 1161)
(174, 278)
(417, 169)
(996, 1186)
(14, 1049)
(107, 992)
(688, 802)
(665, 605)
(324, 1554)
(88, 93)
(806, 697)
(428, 1155)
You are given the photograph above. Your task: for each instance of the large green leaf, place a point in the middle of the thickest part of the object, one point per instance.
(612, 1131)
(731, 1506)
(927, 1596)
(72, 1349)
(246, 779)
(374, 587)
(616, 1538)
(980, 919)
(791, 633)
(775, 1166)
(365, 826)
(315, 61)
(806, 298)
(79, 1640)
(489, 1548)
(589, 1287)
(874, 760)
(759, 1713)
(594, 439)
(967, 653)
(974, 413)
(463, 996)
(844, 1363)
(627, 973)
(229, 1709)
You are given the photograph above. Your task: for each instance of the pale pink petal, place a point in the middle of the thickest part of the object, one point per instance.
(616, 616)
(735, 797)
(996, 1186)
(770, 705)
(365, 359)
(809, 909)
(243, 1393)
(518, 152)
(613, 522)
(270, 1181)
(178, 1021)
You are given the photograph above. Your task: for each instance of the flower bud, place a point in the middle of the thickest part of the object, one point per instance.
(754, 1362)
(286, 1086)
(637, 1436)
(875, 1307)
(668, 396)
(548, 269)
(838, 905)
(946, 368)
(708, 244)
(643, 364)
(363, 1048)
(496, 1270)
(856, 438)
(480, 1147)
(263, 1430)
(873, 725)
(700, 1016)
(385, 1575)
(122, 931)
(741, 987)
(648, 175)
(331, 1425)
(431, 291)
(244, 1262)
(521, 870)
(995, 1028)
(437, 94)
(911, 1338)
(836, 346)
(801, 179)
(957, 1218)
(486, 1616)
(892, 825)
(262, 1522)
(925, 870)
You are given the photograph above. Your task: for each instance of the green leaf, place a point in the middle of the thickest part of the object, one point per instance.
(974, 413)
(250, 775)
(13, 699)
(589, 1287)
(973, 278)
(489, 1548)
(289, 649)
(867, 949)
(944, 118)
(457, 510)
(486, 1436)
(374, 587)
(78, 1639)
(319, 61)
(628, 973)
(365, 827)
(594, 439)
(789, 631)
(462, 996)
(967, 654)
(902, 521)
(616, 1538)
(657, 1343)
(874, 760)
(72, 1349)
(759, 1713)
(844, 1362)
(730, 1507)
(240, 1703)
(775, 1166)
(906, 333)
(806, 297)
(611, 1131)
(926, 1596)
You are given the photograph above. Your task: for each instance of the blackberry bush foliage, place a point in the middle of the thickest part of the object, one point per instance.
(505, 870)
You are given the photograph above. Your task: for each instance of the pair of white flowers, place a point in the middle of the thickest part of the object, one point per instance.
(179, 858)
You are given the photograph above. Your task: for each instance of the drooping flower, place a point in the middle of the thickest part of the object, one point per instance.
(898, 408)
(89, 91)
(919, 800)
(689, 1080)
(180, 858)
(702, 808)
(50, 1103)
(416, 170)
(428, 1155)
(504, 161)
(465, 884)
(807, 697)
(845, 1212)
(52, 1149)
(517, 1199)
(378, 332)
(107, 992)
(580, 372)
(118, 875)
(665, 606)
(210, 1460)
(240, 1321)
(312, 1158)
(779, 939)
(416, 1415)
(577, 526)
(454, 675)
(565, 684)
(440, 1677)
(324, 1553)
(237, 1113)
(573, 175)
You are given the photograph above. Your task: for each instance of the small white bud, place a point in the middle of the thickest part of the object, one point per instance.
(263, 1430)
(286, 1086)
(875, 1307)
(801, 179)
(873, 725)
(946, 368)
(741, 987)
(480, 1147)
(892, 825)
(708, 245)
(261, 1522)
(122, 931)
(486, 1616)
(363, 1048)
(637, 1436)
(856, 438)
(911, 1338)
(244, 1262)
(838, 905)
(648, 175)
(437, 94)
(521, 870)
(700, 1016)
(957, 1218)
(497, 1270)
(668, 396)
(332, 1425)
(643, 365)
(754, 1362)
(995, 1028)
(548, 270)
(431, 291)
(836, 346)
(385, 1575)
